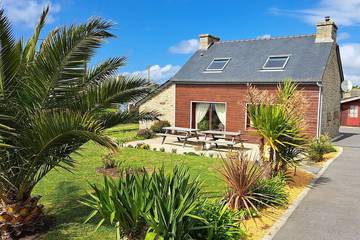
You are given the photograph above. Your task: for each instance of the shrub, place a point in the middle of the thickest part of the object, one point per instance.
(221, 223)
(143, 146)
(162, 149)
(203, 125)
(247, 188)
(155, 149)
(211, 155)
(130, 146)
(274, 187)
(121, 203)
(109, 161)
(145, 133)
(158, 126)
(174, 150)
(175, 198)
(318, 147)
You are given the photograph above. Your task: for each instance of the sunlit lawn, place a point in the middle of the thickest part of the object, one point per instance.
(62, 190)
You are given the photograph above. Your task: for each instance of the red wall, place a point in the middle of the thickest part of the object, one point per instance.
(235, 97)
(345, 119)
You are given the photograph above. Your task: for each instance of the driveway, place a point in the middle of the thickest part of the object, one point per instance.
(332, 209)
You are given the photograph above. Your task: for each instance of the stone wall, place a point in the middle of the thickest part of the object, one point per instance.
(330, 119)
(164, 103)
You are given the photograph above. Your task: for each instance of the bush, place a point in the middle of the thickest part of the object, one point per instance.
(158, 126)
(162, 149)
(145, 133)
(109, 161)
(143, 146)
(175, 198)
(154, 149)
(248, 189)
(221, 223)
(274, 187)
(318, 147)
(122, 203)
(203, 125)
(174, 150)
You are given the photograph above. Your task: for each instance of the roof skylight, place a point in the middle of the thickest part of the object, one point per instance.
(276, 62)
(218, 64)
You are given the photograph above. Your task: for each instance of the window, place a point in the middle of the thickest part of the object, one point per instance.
(249, 123)
(276, 62)
(218, 64)
(209, 116)
(353, 113)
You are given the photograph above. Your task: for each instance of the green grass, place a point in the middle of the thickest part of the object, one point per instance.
(61, 190)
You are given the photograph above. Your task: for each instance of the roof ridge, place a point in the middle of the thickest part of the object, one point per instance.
(270, 38)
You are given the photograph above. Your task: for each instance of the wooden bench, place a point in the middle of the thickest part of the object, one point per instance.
(179, 137)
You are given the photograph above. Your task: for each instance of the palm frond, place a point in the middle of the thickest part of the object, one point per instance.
(111, 119)
(57, 72)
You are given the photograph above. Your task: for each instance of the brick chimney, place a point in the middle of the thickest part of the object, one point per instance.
(326, 31)
(206, 40)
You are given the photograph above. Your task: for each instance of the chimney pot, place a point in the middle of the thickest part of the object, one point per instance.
(206, 40)
(326, 31)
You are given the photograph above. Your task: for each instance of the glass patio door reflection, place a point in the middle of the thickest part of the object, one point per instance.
(209, 116)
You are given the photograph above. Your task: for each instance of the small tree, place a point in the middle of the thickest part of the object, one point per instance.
(279, 124)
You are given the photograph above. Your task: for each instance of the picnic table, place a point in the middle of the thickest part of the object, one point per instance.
(182, 134)
(221, 138)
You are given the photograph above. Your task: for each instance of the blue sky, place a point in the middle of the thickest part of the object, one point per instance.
(164, 33)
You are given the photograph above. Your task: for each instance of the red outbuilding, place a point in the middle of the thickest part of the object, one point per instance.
(350, 111)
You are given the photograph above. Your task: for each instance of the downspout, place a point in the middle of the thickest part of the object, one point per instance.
(320, 108)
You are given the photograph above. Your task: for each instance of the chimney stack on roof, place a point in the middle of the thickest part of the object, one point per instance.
(206, 40)
(326, 31)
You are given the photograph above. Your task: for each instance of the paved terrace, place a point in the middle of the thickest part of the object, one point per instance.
(172, 143)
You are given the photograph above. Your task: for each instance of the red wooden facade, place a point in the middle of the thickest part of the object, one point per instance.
(234, 96)
(350, 113)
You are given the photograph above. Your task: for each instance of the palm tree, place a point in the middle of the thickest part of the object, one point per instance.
(50, 104)
(279, 124)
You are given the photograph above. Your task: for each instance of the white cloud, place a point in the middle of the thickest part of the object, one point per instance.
(27, 12)
(158, 74)
(344, 12)
(265, 36)
(350, 57)
(185, 47)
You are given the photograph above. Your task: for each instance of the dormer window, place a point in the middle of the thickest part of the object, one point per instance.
(276, 62)
(217, 65)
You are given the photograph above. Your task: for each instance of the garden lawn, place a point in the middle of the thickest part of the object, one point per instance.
(62, 190)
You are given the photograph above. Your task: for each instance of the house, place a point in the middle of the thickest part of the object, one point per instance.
(350, 109)
(209, 91)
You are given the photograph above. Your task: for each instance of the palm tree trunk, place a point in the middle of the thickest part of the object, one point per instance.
(22, 216)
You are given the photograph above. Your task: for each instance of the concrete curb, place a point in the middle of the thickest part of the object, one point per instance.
(283, 219)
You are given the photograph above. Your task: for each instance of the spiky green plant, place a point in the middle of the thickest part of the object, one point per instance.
(175, 198)
(122, 203)
(51, 103)
(244, 178)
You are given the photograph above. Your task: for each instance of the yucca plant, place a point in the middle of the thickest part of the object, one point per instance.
(244, 178)
(175, 197)
(51, 103)
(122, 203)
(284, 139)
(220, 222)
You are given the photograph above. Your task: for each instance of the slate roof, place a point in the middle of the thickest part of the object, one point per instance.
(306, 64)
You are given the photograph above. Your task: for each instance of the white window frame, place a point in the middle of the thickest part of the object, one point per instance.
(227, 59)
(354, 111)
(276, 68)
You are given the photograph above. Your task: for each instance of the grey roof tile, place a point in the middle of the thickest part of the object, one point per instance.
(306, 63)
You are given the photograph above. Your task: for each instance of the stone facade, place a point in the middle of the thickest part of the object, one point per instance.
(326, 31)
(163, 102)
(206, 40)
(331, 96)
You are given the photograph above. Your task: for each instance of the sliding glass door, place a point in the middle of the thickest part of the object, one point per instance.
(209, 116)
